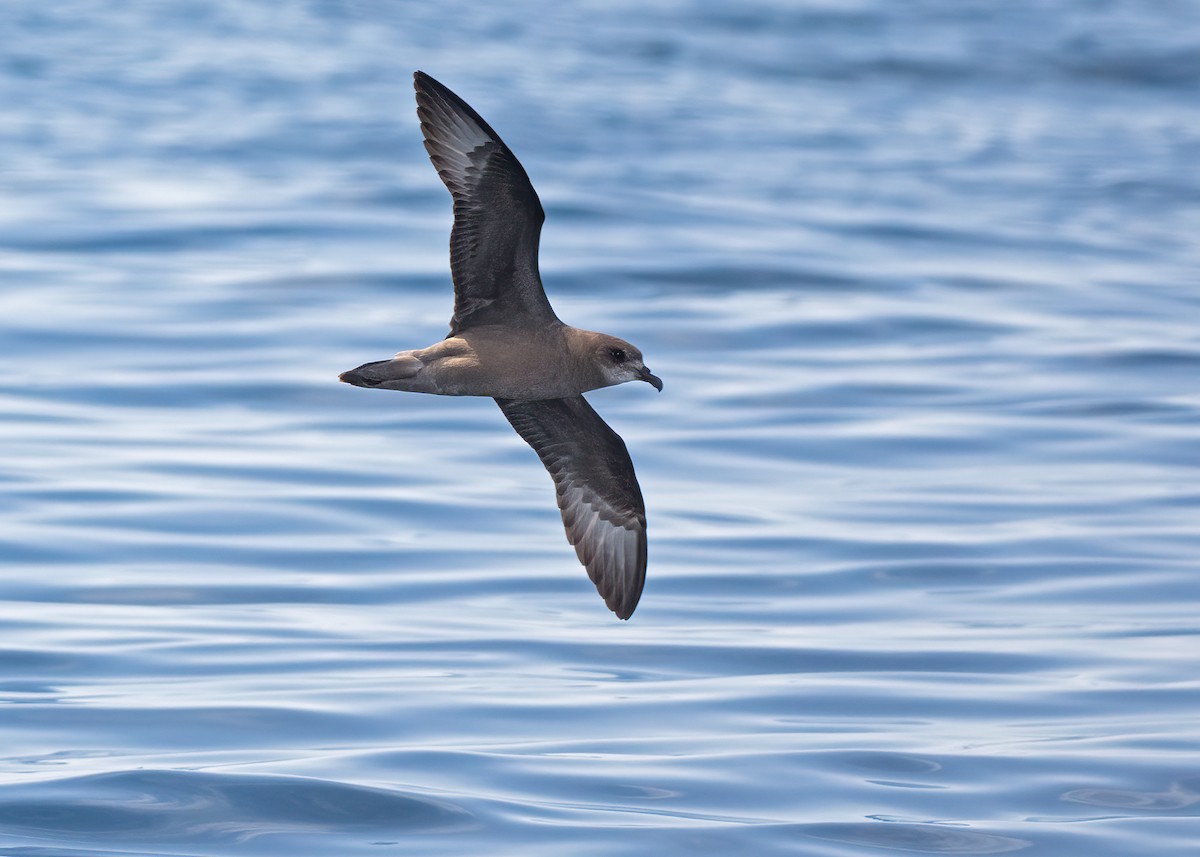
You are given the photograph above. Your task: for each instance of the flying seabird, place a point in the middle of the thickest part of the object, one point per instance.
(506, 342)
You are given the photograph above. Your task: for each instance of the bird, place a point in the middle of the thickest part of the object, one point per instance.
(506, 343)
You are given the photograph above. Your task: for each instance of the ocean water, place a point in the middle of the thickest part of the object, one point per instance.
(922, 280)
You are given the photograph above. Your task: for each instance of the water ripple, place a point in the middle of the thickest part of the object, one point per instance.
(920, 279)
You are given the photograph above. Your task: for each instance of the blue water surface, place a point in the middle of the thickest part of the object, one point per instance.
(922, 280)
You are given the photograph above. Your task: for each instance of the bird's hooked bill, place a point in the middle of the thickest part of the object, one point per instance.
(651, 379)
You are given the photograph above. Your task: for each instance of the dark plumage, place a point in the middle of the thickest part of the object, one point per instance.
(506, 342)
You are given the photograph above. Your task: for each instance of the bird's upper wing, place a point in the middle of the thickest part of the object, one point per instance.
(598, 493)
(497, 215)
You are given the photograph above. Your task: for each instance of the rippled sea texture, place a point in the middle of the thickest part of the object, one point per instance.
(921, 279)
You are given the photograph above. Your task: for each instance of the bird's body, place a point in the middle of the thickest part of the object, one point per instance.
(550, 363)
(506, 343)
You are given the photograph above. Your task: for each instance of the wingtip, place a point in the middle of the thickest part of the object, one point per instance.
(423, 84)
(426, 84)
(623, 600)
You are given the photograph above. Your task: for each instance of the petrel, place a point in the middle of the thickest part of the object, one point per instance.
(506, 342)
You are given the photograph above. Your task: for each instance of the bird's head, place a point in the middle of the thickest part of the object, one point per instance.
(619, 362)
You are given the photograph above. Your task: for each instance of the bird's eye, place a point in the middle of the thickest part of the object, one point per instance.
(617, 354)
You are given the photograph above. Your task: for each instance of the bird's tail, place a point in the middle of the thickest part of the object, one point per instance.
(402, 372)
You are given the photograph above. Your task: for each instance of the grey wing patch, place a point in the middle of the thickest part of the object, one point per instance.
(497, 215)
(598, 493)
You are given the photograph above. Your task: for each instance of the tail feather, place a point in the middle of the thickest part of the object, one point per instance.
(394, 374)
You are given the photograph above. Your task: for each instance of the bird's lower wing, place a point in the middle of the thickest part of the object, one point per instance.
(598, 493)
